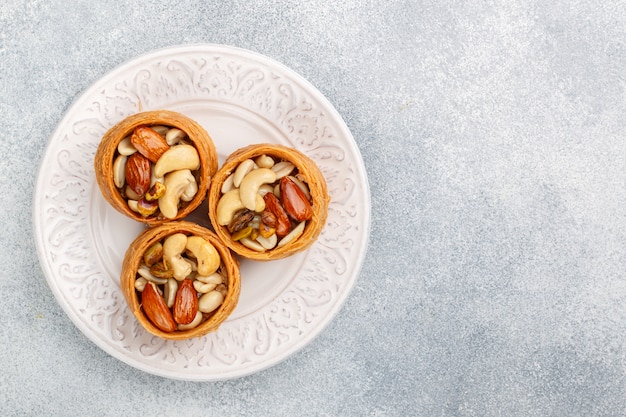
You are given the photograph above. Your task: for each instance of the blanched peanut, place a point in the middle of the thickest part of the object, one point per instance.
(132, 204)
(215, 278)
(252, 244)
(210, 301)
(228, 184)
(174, 136)
(242, 170)
(140, 284)
(264, 161)
(161, 130)
(119, 171)
(125, 147)
(203, 287)
(131, 195)
(293, 235)
(283, 168)
(169, 291)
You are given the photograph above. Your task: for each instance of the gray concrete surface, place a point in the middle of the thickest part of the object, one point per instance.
(493, 137)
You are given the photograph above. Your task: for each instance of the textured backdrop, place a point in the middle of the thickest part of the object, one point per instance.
(493, 137)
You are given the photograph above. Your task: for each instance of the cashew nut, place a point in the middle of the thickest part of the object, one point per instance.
(206, 255)
(242, 170)
(190, 191)
(119, 171)
(154, 179)
(175, 185)
(173, 247)
(210, 301)
(250, 184)
(176, 158)
(194, 323)
(230, 203)
(131, 195)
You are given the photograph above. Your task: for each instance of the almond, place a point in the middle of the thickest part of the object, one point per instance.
(149, 142)
(272, 204)
(294, 200)
(155, 308)
(185, 303)
(138, 173)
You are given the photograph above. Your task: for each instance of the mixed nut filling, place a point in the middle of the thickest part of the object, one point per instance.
(154, 170)
(265, 203)
(182, 281)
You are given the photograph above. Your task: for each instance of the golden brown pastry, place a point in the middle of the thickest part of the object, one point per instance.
(179, 280)
(155, 166)
(268, 202)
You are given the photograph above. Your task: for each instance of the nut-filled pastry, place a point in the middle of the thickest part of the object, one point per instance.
(179, 280)
(268, 202)
(155, 166)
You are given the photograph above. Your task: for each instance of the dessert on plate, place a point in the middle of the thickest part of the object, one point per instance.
(155, 166)
(179, 280)
(268, 202)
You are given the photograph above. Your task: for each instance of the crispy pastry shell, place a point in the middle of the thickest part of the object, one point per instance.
(312, 177)
(105, 155)
(134, 258)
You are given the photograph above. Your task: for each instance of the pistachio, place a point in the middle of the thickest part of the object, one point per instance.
(154, 193)
(154, 254)
(159, 270)
(243, 233)
(147, 208)
(241, 219)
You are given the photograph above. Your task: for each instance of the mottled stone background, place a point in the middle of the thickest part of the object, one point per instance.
(493, 137)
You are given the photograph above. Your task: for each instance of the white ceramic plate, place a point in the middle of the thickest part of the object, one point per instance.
(240, 98)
